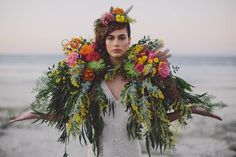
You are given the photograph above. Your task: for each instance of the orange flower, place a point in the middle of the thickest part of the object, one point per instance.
(74, 43)
(88, 75)
(86, 49)
(117, 11)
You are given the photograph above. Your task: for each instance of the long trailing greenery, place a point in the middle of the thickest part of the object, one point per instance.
(71, 92)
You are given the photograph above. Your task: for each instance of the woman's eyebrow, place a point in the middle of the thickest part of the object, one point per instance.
(122, 35)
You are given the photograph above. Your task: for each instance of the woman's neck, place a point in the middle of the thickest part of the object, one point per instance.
(116, 61)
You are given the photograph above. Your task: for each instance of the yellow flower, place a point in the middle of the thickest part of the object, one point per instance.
(156, 60)
(83, 111)
(120, 18)
(150, 61)
(78, 119)
(135, 107)
(69, 126)
(139, 48)
(74, 82)
(68, 51)
(144, 58)
(154, 71)
(54, 72)
(160, 94)
(175, 127)
(140, 61)
(62, 62)
(74, 92)
(147, 69)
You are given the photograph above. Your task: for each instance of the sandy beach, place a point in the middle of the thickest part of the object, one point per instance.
(202, 137)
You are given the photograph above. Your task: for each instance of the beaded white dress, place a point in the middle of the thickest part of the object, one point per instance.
(114, 141)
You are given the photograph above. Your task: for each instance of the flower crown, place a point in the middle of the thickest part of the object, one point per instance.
(117, 15)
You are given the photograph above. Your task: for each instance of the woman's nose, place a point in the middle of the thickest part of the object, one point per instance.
(116, 42)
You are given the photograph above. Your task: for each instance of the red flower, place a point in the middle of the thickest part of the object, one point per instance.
(139, 68)
(94, 56)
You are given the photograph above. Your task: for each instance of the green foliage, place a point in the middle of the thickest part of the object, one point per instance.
(77, 104)
(129, 70)
(112, 72)
(75, 109)
(152, 44)
(148, 115)
(98, 66)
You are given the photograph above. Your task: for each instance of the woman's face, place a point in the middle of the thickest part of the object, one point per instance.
(117, 43)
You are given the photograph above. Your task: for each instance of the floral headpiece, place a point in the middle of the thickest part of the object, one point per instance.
(115, 14)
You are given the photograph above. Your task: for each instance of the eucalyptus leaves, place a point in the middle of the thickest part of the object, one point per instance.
(71, 92)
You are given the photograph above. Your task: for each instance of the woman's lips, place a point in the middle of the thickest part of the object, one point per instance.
(116, 50)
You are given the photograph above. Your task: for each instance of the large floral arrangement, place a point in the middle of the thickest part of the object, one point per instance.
(154, 92)
(71, 92)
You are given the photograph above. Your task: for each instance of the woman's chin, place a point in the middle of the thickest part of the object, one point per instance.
(117, 55)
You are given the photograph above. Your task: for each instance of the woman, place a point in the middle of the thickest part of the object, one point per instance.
(113, 37)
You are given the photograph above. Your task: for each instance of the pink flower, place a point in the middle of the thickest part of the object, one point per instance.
(139, 68)
(151, 55)
(72, 58)
(94, 56)
(106, 18)
(163, 69)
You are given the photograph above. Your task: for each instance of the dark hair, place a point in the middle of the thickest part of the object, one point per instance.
(101, 33)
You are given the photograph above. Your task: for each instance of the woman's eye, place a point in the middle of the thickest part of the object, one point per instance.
(109, 38)
(122, 38)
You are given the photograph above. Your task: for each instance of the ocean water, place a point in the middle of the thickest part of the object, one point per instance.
(18, 77)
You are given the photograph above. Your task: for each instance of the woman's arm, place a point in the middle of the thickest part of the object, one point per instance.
(31, 115)
(201, 111)
(173, 116)
(195, 110)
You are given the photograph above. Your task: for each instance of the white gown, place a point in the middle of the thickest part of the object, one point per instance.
(114, 140)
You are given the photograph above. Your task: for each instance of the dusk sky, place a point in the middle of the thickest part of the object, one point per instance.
(189, 27)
